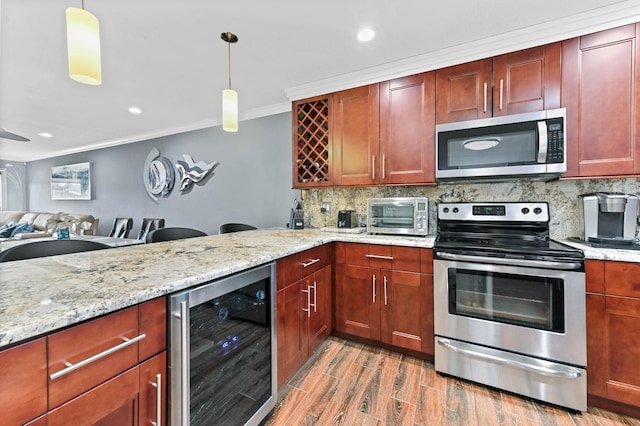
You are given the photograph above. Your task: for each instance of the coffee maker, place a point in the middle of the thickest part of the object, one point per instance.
(608, 218)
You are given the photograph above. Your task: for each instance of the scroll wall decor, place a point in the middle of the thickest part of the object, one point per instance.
(159, 175)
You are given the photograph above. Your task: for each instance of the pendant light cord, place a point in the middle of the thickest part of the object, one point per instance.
(229, 60)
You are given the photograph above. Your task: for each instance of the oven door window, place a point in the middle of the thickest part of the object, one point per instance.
(530, 301)
(392, 215)
(230, 339)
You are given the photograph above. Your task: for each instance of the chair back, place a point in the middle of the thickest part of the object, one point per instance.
(235, 227)
(172, 233)
(149, 224)
(121, 227)
(34, 249)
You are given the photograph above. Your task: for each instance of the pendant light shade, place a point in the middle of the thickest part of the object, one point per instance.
(229, 110)
(83, 46)
(229, 96)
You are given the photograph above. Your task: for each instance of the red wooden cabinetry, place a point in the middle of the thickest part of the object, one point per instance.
(613, 349)
(600, 83)
(23, 393)
(303, 307)
(98, 372)
(385, 293)
(523, 81)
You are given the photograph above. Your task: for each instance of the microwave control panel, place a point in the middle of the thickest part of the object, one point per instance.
(555, 141)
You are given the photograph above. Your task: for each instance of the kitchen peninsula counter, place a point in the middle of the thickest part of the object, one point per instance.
(38, 296)
(41, 295)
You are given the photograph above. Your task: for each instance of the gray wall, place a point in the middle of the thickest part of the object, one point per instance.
(252, 184)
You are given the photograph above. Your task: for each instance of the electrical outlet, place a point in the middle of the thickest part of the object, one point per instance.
(325, 207)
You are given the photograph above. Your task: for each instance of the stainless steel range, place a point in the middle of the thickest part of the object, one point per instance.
(509, 302)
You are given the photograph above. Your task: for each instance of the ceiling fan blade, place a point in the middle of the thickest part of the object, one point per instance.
(8, 135)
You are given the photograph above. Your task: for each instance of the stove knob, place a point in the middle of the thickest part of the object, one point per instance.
(445, 209)
(537, 210)
(525, 210)
(455, 210)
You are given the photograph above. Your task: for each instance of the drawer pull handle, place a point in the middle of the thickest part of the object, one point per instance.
(376, 256)
(72, 367)
(309, 263)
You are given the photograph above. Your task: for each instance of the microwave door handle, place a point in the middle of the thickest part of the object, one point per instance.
(544, 143)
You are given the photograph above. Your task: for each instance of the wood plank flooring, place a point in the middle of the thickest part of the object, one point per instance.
(347, 383)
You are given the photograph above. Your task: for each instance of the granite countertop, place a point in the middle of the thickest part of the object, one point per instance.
(38, 296)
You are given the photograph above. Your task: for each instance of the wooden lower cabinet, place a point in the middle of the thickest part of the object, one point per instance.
(94, 373)
(23, 393)
(613, 348)
(385, 304)
(303, 320)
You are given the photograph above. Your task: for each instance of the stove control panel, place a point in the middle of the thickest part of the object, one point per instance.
(495, 212)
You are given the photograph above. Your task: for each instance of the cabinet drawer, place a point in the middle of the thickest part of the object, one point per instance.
(621, 279)
(426, 261)
(292, 268)
(379, 256)
(80, 343)
(23, 394)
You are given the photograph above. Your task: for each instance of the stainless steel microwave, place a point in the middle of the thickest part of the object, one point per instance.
(399, 215)
(521, 146)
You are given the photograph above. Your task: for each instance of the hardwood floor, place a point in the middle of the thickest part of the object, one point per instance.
(353, 384)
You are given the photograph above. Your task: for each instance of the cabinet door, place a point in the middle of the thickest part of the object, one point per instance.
(292, 334)
(463, 92)
(527, 80)
(357, 301)
(404, 306)
(319, 317)
(312, 142)
(407, 130)
(23, 393)
(112, 403)
(600, 91)
(153, 390)
(356, 136)
(597, 353)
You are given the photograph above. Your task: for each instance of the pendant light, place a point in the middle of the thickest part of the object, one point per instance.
(229, 96)
(83, 46)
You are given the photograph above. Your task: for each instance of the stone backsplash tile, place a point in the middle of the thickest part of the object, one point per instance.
(562, 196)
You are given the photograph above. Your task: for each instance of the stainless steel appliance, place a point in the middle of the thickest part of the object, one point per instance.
(510, 309)
(530, 146)
(223, 350)
(399, 215)
(347, 219)
(608, 217)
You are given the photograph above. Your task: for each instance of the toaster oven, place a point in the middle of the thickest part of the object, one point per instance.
(398, 215)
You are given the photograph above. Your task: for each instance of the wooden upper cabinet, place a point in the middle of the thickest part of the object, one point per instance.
(312, 149)
(463, 92)
(600, 91)
(527, 80)
(407, 130)
(523, 81)
(355, 136)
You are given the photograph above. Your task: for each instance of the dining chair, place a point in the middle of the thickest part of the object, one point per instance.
(148, 225)
(235, 227)
(172, 233)
(121, 227)
(35, 249)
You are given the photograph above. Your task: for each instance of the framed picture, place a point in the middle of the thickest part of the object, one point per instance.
(71, 182)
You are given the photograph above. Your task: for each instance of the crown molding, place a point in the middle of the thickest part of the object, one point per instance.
(621, 13)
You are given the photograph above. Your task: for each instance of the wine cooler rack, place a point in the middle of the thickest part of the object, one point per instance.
(313, 137)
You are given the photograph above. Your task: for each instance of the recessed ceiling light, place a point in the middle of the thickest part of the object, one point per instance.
(135, 110)
(366, 35)
(45, 135)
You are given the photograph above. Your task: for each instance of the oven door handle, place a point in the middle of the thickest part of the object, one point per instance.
(569, 373)
(511, 262)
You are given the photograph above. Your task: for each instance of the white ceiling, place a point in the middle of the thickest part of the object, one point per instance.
(166, 57)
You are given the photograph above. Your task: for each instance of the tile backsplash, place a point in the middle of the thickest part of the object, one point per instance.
(562, 196)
